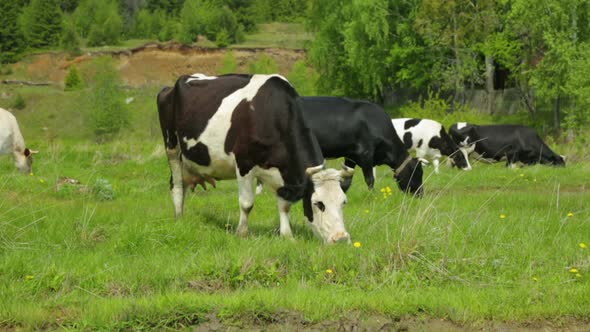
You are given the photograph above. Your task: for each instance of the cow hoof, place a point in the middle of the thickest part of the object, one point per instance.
(242, 232)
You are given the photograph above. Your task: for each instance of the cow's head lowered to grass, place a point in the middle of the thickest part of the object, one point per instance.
(323, 203)
(409, 176)
(23, 160)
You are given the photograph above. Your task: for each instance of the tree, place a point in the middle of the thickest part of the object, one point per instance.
(109, 113)
(70, 41)
(11, 39)
(41, 23)
(73, 80)
(99, 21)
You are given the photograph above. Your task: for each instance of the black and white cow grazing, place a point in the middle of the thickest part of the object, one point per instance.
(362, 133)
(12, 142)
(250, 127)
(429, 140)
(516, 143)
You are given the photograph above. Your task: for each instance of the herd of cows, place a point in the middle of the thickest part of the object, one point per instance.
(257, 128)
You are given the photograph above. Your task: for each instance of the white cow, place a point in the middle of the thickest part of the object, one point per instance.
(430, 140)
(12, 142)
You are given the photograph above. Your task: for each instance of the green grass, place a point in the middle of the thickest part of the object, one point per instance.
(70, 259)
(284, 35)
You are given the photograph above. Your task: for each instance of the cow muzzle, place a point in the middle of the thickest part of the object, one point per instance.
(340, 237)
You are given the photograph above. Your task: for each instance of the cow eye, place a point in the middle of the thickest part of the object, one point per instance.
(320, 206)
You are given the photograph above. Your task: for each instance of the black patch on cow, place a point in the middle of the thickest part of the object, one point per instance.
(420, 143)
(408, 140)
(307, 208)
(411, 123)
(198, 154)
(436, 143)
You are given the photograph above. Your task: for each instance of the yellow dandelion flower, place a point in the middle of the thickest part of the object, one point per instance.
(578, 275)
(41, 180)
(535, 279)
(521, 175)
(357, 244)
(329, 271)
(382, 190)
(29, 277)
(502, 216)
(366, 211)
(583, 245)
(387, 189)
(31, 174)
(573, 270)
(570, 214)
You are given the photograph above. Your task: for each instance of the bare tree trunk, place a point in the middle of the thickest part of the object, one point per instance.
(490, 84)
(557, 113)
(458, 97)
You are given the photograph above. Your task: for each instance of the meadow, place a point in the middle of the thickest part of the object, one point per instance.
(489, 245)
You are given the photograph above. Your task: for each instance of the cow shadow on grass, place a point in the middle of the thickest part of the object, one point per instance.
(264, 229)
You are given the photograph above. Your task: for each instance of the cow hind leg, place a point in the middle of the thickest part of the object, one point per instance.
(284, 208)
(177, 187)
(246, 192)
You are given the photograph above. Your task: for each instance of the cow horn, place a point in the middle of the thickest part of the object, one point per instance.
(312, 170)
(564, 157)
(346, 171)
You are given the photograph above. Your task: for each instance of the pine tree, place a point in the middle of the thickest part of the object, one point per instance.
(11, 40)
(41, 23)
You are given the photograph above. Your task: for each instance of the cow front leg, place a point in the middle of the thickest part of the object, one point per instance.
(246, 192)
(284, 208)
(346, 182)
(435, 163)
(177, 187)
(369, 175)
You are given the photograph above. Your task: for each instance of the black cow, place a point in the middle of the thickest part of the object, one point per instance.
(249, 127)
(362, 133)
(516, 143)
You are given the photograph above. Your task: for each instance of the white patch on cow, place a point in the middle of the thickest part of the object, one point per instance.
(13, 142)
(200, 77)
(190, 142)
(425, 130)
(213, 137)
(461, 125)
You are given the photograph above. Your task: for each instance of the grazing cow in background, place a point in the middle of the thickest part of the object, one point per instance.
(362, 133)
(250, 127)
(516, 143)
(12, 142)
(429, 140)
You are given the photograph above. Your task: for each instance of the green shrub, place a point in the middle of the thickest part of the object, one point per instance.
(19, 102)
(222, 38)
(73, 80)
(303, 78)
(109, 113)
(264, 65)
(103, 190)
(230, 64)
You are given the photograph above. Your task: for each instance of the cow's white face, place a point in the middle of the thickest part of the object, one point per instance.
(327, 202)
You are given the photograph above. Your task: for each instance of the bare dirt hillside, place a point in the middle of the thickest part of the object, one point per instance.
(151, 64)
